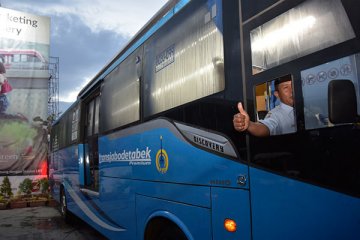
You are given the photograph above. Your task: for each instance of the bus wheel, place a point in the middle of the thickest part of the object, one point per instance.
(172, 233)
(63, 205)
(165, 230)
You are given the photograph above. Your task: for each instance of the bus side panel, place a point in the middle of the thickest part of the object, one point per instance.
(138, 156)
(164, 165)
(70, 174)
(63, 167)
(81, 148)
(283, 208)
(117, 202)
(194, 221)
(55, 175)
(231, 204)
(187, 194)
(102, 213)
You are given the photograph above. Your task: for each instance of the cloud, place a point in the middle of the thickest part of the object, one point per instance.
(122, 17)
(86, 35)
(82, 53)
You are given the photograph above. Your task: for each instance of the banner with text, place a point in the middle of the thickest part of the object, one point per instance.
(24, 77)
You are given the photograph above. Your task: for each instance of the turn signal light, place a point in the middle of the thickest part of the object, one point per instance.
(230, 225)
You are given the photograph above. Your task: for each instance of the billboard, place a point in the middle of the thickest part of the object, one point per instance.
(24, 57)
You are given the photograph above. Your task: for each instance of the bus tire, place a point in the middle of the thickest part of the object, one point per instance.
(63, 206)
(165, 230)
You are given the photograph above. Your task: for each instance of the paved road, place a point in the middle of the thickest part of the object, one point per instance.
(39, 223)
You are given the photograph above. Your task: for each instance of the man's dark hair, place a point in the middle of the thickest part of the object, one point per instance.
(281, 80)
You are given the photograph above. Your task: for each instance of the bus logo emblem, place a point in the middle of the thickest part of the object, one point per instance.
(162, 161)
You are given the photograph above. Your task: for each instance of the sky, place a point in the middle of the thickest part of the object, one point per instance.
(87, 34)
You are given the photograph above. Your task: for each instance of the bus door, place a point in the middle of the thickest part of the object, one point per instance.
(304, 181)
(91, 156)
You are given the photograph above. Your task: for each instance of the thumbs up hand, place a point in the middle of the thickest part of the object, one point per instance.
(241, 120)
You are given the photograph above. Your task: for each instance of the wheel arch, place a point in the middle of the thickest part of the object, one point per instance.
(157, 220)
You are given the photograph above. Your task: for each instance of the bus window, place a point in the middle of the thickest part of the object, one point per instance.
(315, 82)
(91, 144)
(90, 119)
(274, 105)
(75, 125)
(299, 32)
(184, 61)
(120, 95)
(262, 100)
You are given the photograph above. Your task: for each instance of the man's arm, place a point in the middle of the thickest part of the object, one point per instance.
(242, 123)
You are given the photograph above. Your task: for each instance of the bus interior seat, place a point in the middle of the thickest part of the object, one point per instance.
(262, 114)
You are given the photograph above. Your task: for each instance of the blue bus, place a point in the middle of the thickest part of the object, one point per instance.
(149, 151)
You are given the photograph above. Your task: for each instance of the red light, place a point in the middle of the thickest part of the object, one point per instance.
(44, 167)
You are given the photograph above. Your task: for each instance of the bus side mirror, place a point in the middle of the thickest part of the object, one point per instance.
(342, 103)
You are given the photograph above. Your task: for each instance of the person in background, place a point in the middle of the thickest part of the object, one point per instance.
(4, 103)
(279, 120)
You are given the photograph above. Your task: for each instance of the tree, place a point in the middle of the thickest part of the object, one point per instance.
(44, 185)
(5, 187)
(26, 186)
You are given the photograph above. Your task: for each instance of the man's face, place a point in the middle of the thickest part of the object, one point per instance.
(285, 93)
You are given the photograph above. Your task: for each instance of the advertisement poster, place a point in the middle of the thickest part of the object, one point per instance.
(24, 77)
